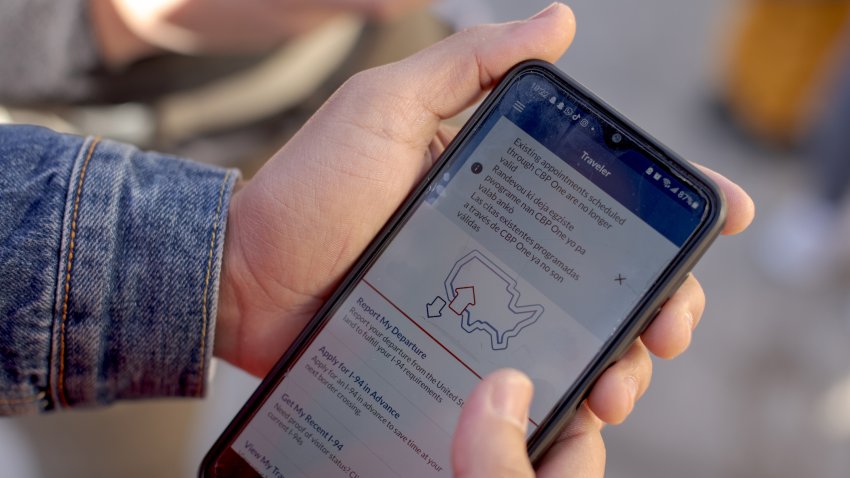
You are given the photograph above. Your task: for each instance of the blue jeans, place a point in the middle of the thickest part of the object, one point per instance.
(109, 270)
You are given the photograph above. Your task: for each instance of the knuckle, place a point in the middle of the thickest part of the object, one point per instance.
(360, 83)
(476, 31)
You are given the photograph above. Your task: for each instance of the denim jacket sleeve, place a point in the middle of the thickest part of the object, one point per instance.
(109, 269)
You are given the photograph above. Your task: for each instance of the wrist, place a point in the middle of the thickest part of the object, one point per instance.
(228, 308)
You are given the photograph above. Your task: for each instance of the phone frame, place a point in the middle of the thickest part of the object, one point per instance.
(628, 330)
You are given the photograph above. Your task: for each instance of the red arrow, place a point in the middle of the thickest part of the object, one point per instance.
(464, 297)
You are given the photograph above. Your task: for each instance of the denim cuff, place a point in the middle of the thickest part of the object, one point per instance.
(138, 276)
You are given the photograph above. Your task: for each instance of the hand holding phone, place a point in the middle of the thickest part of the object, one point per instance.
(371, 144)
(301, 223)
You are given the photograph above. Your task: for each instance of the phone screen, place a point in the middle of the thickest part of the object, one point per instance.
(529, 248)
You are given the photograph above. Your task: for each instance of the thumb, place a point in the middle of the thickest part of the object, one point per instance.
(444, 79)
(490, 436)
(342, 176)
(453, 73)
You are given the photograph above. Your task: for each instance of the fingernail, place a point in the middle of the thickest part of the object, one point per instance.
(511, 397)
(546, 11)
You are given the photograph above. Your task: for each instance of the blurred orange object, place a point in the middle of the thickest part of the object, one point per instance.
(778, 53)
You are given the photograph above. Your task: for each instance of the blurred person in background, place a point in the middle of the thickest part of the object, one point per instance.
(807, 241)
(93, 329)
(774, 55)
(226, 80)
(786, 85)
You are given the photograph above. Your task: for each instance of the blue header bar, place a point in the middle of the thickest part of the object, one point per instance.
(627, 174)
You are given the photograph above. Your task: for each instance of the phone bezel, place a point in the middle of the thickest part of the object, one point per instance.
(667, 283)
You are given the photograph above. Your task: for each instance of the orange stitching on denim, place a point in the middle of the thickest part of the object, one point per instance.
(204, 312)
(60, 388)
(18, 401)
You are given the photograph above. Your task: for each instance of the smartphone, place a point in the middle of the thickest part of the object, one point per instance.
(545, 238)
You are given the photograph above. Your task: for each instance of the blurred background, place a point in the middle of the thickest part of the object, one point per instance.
(757, 89)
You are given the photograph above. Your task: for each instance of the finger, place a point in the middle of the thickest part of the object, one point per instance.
(376, 132)
(615, 393)
(670, 333)
(579, 450)
(741, 209)
(490, 436)
(405, 101)
(473, 60)
(384, 116)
